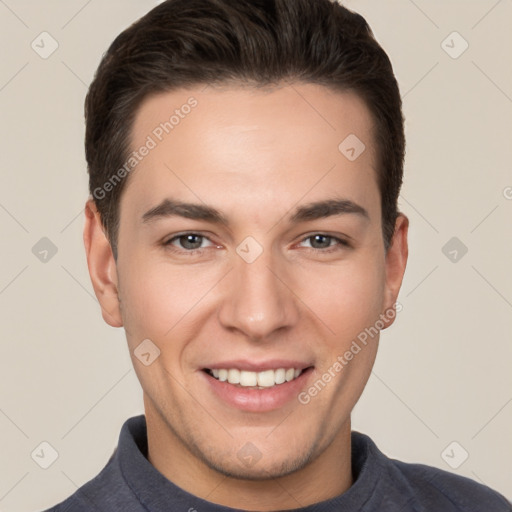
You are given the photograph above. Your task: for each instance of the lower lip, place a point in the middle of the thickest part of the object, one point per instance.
(258, 400)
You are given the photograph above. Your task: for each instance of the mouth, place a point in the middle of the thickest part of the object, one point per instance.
(258, 389)
(255, 380)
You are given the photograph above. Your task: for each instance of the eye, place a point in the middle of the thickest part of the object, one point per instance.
(188, 242)
(322, 242)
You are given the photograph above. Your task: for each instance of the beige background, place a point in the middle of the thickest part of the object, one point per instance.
(443, 371)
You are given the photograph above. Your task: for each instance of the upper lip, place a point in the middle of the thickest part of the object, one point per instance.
(255, 366)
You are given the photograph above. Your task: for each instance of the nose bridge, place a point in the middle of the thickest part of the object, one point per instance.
(256, 301)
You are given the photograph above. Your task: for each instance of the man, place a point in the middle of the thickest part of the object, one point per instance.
(245, 160)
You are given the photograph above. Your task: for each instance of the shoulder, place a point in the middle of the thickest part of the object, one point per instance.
(420, 487)
(106, 491)
(458, 492)
(109, 489)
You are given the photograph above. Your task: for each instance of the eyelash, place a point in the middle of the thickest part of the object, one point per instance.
(341, 243)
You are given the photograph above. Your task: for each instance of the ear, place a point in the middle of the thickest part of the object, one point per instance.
(102, 266)
(396, 261)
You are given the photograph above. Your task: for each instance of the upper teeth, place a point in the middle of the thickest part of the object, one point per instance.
(265, 379)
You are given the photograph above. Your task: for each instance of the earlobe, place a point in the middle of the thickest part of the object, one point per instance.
(102, 266)
(396, 261)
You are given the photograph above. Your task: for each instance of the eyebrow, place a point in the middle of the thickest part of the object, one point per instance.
(311, 211)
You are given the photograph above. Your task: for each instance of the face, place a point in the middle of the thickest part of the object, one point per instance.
(250, 242)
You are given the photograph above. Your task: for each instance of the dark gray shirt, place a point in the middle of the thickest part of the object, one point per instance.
(129, 483)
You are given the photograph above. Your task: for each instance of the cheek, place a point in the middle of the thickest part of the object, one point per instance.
(156, 297)
(347, 298)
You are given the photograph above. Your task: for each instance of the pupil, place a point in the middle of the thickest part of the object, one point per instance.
(191, 241)
(322, 240)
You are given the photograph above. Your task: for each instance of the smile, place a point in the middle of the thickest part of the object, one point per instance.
(256, 380)
(257, 386)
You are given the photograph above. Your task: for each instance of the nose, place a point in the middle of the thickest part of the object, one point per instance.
(257, 299)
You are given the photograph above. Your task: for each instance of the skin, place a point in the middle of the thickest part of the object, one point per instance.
(255, 155)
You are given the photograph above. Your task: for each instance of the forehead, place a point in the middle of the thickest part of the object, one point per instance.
(264, 141)
(311, 107)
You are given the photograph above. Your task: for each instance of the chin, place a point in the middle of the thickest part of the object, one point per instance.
(260, 470)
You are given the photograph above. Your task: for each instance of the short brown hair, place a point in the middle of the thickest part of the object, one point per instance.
(184, 43)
